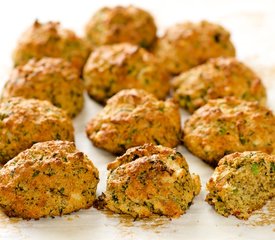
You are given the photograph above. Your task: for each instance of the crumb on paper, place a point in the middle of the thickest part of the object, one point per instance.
(264, 216)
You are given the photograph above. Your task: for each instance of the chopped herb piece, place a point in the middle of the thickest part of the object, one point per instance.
(222, 130)
(272, 167)
(114, 198)
(161, 109)
(242, 140)
(255, 168)
(35, 173)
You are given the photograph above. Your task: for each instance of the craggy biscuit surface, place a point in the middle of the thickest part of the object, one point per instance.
(50, 40)
(133, 117)
(24, 122)
(242, 183)
(224, 126)
(150, 180)
(112, 68)
(49, 179)
(121, 24)
(51, 79)
(187, 45)
(218, 78)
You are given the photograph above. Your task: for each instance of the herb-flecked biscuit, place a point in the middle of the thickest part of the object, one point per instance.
(218, 78)
(150, 180)
(121, 24)
(187, 45)
(52, 79)
(133, 117)
(112, 68)
(242, 183)
(49, 179)
(50, 40)
(24, 122)
(224, 126)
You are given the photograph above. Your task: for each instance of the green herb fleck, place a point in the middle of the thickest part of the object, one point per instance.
(35, 173)
(185, 101)
(161, 109)
(255, 168)
(171, 157)
(242, 140)
(146, 81)
(142, 177)
(272, 167)
(61, 191)
(114, 198)
(222, 130)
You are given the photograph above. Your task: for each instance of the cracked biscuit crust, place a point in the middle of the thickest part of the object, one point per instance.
(224, 126)
(49, 179)
(150, 180)
(134, 117)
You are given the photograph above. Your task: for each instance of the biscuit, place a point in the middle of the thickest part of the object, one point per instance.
(218, 78)
(51, 40)
(187, 45)
(112, 68)
(133, 117)
(49, 179)
(242, 183)
(121, 24)
(150, 180)
(224, 126)
(24, 122)
(51, 79)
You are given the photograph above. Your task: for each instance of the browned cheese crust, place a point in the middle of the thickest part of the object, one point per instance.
(224, 126)
(121, 24)
(50, 40)
(51, 79)
(112, 68)
(49, 179)
(134, 117)
(187, 45)
(218, 78)
(242, 183)
(24, 122)
(150, 180)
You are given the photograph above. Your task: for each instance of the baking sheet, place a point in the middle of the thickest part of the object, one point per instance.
(252, 24)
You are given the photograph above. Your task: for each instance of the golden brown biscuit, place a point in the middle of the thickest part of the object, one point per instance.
(50, 40)
(187, 45)
(112, 68)
(150, 180)
(49, 179)
(242, 183)
(51, 79)
(133, 117)
(224, 126)
(24, 122)
(218, 78)
(121, 24)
